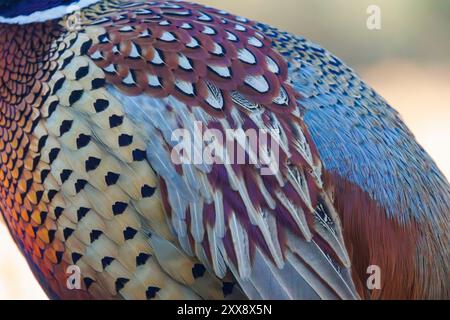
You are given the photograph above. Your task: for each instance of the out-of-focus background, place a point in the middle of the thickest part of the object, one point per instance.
(407, 62)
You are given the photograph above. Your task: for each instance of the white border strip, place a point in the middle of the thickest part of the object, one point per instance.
(49, 14)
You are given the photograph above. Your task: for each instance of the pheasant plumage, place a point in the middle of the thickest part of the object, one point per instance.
(87, 179)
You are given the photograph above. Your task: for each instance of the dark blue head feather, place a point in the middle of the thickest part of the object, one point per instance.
(15, 8)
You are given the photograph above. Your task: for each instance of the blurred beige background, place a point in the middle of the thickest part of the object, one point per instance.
(407, 62)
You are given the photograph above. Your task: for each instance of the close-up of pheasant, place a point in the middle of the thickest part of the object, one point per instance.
(97, 194)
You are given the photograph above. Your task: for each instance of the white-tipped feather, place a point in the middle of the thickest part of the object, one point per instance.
(219, 226)
(297, 214)
(241, 246)
(272, 242)
(218, 262)
(319, 287)
(298, 180)
(266, 194)
(330, 237)
(313, 255)
(197, 227)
